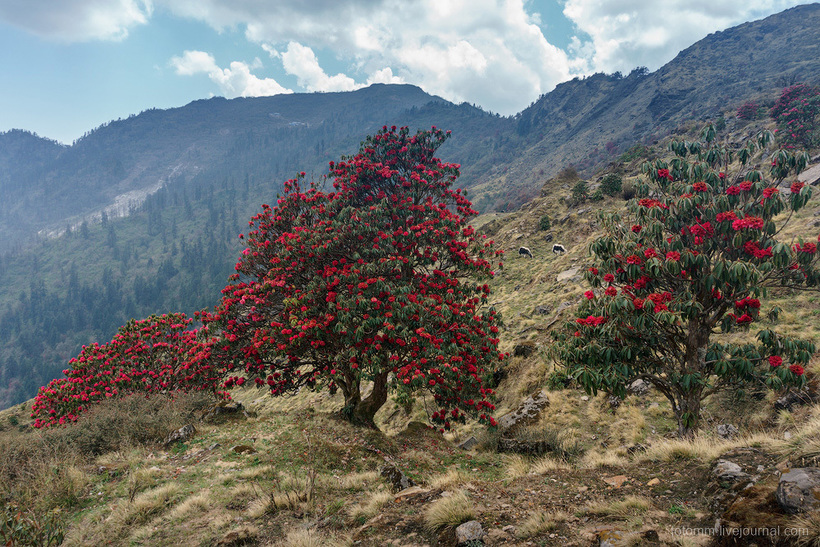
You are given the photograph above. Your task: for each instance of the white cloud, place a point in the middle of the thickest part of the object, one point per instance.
(630, 33)
(77, 20)
(301, 62)
(235, 81)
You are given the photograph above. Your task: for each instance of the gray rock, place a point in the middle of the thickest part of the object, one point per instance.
(639, 388)
(728, 471)
(397, 479)
(183, 434)
(469, 532)
(727, 431)
(799, 490)
(526, 413)
(795, 398)
(614, 401)
(468, 443)
(543, 309)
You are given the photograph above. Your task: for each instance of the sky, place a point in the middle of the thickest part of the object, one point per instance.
(69, 66)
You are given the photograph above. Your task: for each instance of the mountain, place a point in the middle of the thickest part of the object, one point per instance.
(141, 215)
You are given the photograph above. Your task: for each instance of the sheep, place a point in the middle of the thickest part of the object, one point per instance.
(558, 249)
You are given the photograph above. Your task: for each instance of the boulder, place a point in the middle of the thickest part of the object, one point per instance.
(728, 471)
(727, 431)
(183, 434)
(224, 409)
(470, 532)
(799, 489)
(542, 309)
(395, 477)
(524, 349)
(468, 444)
(639, 388)
(527, 412)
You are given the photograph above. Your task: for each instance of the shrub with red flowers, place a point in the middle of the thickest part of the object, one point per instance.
(747, 111)
(152, 355)
(796, 115)
(377, 281)
(710, 245)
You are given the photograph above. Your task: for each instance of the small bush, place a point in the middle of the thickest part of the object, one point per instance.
(597, 195)
(28, 528)
(544, 224)
(634, 152)
(747, 111)
(580, 191)
(611, 184)
(628, 192)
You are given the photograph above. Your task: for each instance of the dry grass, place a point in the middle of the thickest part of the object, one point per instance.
(195, 504)
(312, 538)
(454, 477)
(549, 464)
(623, 509)
(145, 506)
(374, 501)
(541, 522)
(449, 512)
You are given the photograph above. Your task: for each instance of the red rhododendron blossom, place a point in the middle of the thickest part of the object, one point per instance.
(673, 255)
(590, 295)
(636, 228)
(664, 174)
(796, 187)
(650, 253)
(609, 278)
(746, 185)
(700, 187)
(593, 271)
(744, 319)
(733, 190)
(769, 192)
(726, 215)
(753, 223)
(796, 369)
(611, 291)
(775, 360)
(633, 259)
(592, 320)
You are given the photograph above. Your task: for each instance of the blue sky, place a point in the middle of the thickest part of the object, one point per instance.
(71, 65)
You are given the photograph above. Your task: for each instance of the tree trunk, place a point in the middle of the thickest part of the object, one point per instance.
(687, 412)
(362, 411)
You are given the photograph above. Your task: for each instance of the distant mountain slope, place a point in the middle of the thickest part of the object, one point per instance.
(583, 120)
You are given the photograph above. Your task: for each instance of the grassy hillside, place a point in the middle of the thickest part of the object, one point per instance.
(289, 472)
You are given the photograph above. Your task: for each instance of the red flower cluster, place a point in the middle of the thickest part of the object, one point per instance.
(664, 174)
(148, 356)
(751, 223)
(775, 360)
(592, 321)
(700, 187)
(796, 187)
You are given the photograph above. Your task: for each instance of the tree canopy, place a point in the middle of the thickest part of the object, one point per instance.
(379, 281)
(687, 266)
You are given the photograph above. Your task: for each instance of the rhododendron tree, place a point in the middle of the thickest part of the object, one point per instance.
(685, 267)
(154, 355)
(377, 284)
(796, 113)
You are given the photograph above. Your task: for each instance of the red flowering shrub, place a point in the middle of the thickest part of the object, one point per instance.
(148, 356)
(796, 115)
(747, 111)
(710, 249)
(376, 281)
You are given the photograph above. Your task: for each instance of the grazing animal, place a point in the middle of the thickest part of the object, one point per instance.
(548, 238)
(558, 249)
(523, 251)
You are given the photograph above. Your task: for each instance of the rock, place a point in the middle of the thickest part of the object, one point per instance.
(395, 477)
(728, 471)
(569, 275)
(585, 398)
(524, 349)
(639, 388)
(615, 538)
(617, 481)
(468, 443)
(654, 482)
(543, 309)
(510, 529)
(224, 409)
(411, 492)
(469, 532)
(243, 449)
(795, 398)
(799, 490)
(727, 431)
(614, 401)
(527, 412)
(183, 434)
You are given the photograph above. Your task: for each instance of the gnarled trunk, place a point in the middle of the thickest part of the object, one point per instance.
(362, 411)
(687, 413)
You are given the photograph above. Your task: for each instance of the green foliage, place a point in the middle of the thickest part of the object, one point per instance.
(682, 267)
(29, 529)
(720, 124)
(611, 184)
(629, 192)
(580, 191)
(597, 195)
(544, 224)
(634, 152)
